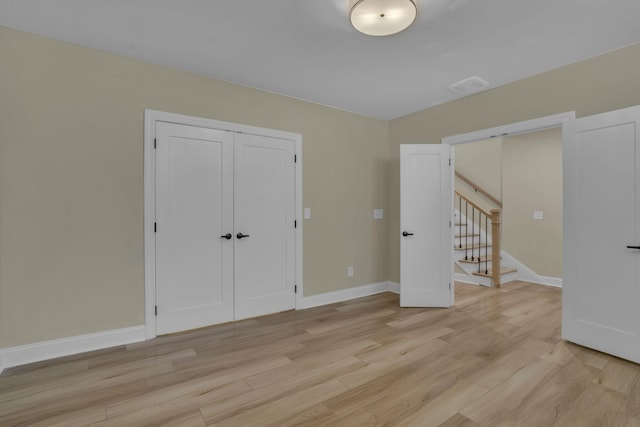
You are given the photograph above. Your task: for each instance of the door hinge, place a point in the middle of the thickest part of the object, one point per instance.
(155, 227)
(295, 158)
(156, 310)
(155, 143)
(449, 285)
(449, 224)
(449, 162)
(295, 224)
(295, 289)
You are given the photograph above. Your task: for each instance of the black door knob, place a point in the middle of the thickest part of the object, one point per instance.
(240, 235)
(227, 236)
(405, 234)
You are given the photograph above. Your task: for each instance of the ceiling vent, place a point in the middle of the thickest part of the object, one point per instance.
(468, 86)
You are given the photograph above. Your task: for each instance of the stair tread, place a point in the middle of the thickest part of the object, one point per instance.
(475, 246)
(475, 261)
(457, 236)
(503, 270)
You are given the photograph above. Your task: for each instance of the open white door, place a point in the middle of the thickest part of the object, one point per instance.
(426, 212)
(601, 288)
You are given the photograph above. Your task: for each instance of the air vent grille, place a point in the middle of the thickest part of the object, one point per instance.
(468, 86)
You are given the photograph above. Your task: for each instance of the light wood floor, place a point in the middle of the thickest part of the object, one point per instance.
(496, 359)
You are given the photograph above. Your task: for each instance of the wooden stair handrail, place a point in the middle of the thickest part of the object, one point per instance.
(495, 216)
(473, 204)
(479, 189)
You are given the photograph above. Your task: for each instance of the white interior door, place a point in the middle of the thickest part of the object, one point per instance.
(265, 214)
(426, 212)
(194, 208)
(601, 286)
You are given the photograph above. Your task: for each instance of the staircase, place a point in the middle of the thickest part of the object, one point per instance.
(477, 243)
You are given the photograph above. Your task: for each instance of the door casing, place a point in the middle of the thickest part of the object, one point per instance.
(150, 119)
(566, 121)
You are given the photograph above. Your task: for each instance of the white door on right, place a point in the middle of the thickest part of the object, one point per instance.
(601, 289)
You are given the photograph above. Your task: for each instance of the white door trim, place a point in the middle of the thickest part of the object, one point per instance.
(150, 119)
(548, 122)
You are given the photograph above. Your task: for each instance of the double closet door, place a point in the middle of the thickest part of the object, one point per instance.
(225, 236)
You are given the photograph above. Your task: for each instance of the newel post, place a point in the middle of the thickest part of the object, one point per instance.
(496, 220)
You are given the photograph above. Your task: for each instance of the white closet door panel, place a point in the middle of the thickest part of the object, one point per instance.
(194, 275)
(264, 210)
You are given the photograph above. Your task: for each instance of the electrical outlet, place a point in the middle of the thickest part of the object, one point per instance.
(538, 215)
(350, 271)
(307, 213)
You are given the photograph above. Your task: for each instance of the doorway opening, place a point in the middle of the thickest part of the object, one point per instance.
(518, 169)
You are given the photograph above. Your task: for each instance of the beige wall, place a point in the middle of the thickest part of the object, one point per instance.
(71, 183)
(480, 162)
(532, 181)
(599, 84)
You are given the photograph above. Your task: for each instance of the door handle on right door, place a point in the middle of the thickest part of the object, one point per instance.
(633, 247)
(240, 235)
(405, 234)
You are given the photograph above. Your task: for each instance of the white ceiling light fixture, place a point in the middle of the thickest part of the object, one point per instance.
(381, 17)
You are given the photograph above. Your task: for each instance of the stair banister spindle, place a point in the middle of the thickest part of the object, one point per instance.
(460, 221)
(496, 220)
(466, 228)
(479, 239)
(473, 231)
(486, 247)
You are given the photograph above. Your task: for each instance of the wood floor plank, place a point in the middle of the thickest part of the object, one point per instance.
(619, 375)
(495, 359)
(510, 393)
(446, 405)
(277, 412)
(459, 420)
(550, 401)
(596, 406)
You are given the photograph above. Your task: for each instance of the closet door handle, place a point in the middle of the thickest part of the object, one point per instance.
(633, 247)
(227, 236)
(405, 234)
(240, 235)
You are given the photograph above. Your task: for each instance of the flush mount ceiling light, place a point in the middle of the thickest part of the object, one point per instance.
(381, 17)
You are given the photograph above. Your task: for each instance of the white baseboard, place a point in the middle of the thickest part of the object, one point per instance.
(458, 277)
(21, 355)
(394, 287)
(350, 293)
(551, 281)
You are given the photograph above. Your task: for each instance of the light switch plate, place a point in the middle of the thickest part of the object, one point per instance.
(378, 213)
(307, 213)
(350, 271)
(538, 215)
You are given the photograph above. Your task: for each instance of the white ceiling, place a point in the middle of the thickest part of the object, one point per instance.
(307, 48)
